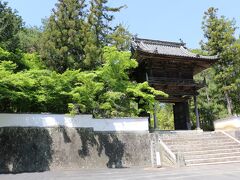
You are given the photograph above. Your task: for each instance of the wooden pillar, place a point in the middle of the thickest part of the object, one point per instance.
(196, 112)
(187, 116)
(146, 76)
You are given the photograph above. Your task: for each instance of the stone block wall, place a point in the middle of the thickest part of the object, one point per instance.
(32, 149)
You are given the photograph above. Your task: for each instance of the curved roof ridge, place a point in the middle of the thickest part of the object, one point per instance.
(167, 48)
(158, 42)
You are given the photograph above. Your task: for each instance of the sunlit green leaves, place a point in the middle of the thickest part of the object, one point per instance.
(105, 92)
(109, 92)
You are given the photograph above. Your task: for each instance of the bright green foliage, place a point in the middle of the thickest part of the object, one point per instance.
(85, 93)
(31, 91)
(32, 61)
(115, 68)
(7, 67)
(165, 116)
(22, 60)
(50, 91)
(11, 94)
(75, 36)
(144, 95)
(29, 39)
(29, 88)
(14, 57)
(62, 45)
(219, 33)
(121, 94)
(10, 25)
(105, 92)
(108, 91)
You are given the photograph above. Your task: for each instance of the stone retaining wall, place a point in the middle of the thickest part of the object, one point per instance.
(31, 149)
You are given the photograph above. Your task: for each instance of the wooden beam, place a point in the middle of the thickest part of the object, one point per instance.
(173, 99)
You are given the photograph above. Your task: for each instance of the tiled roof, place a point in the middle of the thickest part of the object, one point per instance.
(166, 48)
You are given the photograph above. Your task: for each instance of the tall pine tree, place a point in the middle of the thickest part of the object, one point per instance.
(219, 33)
(120, 38)
(97, 31)
(62, 45)
(76, 33)
(10, 25)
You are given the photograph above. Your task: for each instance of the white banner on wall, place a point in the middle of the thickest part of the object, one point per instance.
(80, 121)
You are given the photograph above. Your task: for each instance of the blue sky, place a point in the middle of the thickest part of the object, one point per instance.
(157, 19)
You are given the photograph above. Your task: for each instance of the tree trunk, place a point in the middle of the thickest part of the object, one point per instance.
(229, 102)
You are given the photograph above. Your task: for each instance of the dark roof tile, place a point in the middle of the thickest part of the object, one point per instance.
(166, 48)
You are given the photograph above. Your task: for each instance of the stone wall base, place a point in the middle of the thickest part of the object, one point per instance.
(40, 149)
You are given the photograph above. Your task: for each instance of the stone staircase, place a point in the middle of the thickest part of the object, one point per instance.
(202, 148)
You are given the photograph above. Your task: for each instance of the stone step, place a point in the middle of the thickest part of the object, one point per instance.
(213, 155)
(214, 163)
(193, 135)
(189, 136)
(202, 148)
(187, 132)
(213, 160)
(200, 145)
(197, 141)
(214, 151)
(194, 138)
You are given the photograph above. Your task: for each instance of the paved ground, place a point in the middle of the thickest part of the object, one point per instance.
(211, 172)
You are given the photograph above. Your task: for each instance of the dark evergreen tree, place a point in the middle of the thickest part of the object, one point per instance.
(219, 35)
(75, 34)
(10, 25)
(120, 38)
(97, 30)
(62, 45)
(29, 38)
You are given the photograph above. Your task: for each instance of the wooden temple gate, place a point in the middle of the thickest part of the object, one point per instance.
(170, 67)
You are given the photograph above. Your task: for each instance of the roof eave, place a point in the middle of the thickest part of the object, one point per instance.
(140, 51)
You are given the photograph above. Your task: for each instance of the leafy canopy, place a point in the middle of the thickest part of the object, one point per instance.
(105, 92)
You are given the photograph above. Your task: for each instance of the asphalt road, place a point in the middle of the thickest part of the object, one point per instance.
(210, 172)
